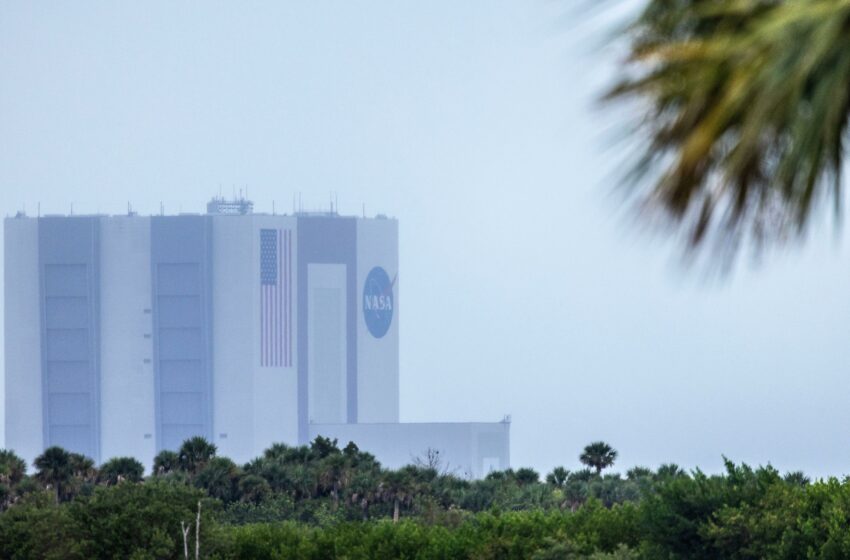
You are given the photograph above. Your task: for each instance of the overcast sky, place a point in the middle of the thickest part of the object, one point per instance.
(524, 290)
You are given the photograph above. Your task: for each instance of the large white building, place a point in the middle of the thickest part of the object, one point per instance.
(127, 334)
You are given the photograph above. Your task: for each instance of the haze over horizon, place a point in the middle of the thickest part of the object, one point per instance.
(524, 290)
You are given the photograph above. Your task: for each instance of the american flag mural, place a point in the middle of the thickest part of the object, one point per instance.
(275, 298)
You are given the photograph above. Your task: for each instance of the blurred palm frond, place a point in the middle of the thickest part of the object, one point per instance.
(746, 108)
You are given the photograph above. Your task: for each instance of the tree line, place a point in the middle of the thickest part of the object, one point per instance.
(326, 501)
(309, 481)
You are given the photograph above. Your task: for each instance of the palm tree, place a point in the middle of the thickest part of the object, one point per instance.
(82, 468)
(165, 462)
(583, 475)
(747, 111)
(638, 473)
(364, 489)
(303, 481)
(276, 451)
(668, 471)
(323, 447)
(399, 488)
(797, 478)
(119, 469)
(194, 454)
(598, 455)
(334, 475)
(575, 493)
(219, 478)
(12, 468)
(253, 488)
(558, 477)
(525, 476)
(54, 469)
(83, 476)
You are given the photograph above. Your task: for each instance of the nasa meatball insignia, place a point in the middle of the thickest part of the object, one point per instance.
(378, 302)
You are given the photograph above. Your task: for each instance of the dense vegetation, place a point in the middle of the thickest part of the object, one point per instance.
(320, 501)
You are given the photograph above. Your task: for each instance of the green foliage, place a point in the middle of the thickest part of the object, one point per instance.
(119, 521)
(320, 501)
(166, 462)
(12, 468)
(525, 476)
(124, 521)
(254, 489)
(36, 528)
(194, 454)
(54, 470)
(484, 536)
(274, 508)
(220, 478)
(558, 477)
(120, 469)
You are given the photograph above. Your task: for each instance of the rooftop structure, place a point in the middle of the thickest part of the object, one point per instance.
(240, 206)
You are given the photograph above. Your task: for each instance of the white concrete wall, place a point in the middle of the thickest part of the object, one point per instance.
(234, 331)
(128, 423)
(23, 390)
(377, 358)
(275, 403)
(327, 343)
(253, 406)
(469, 450)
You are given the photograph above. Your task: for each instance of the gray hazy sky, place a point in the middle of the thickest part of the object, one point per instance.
(524, 291)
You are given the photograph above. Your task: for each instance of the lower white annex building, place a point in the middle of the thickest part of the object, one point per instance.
(127, 334)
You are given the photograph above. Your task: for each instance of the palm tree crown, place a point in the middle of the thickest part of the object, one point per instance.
(747, 110)
(598, 455)
(54, 468)
(165, 462)
(120, 469)
(195, 453)
(12, 468)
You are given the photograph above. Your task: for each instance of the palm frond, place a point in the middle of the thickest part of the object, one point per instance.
(747, 105)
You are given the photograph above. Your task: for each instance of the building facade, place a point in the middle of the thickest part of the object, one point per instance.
(126, 335)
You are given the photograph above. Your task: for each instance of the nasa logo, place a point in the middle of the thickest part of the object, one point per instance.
(378, 302)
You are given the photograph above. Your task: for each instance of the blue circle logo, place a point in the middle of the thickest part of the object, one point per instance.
(378, 302)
